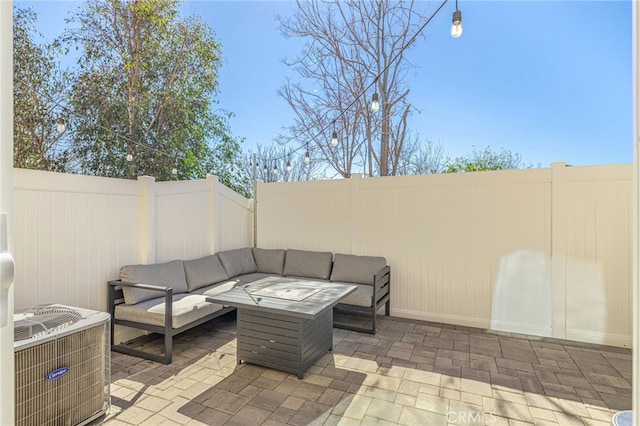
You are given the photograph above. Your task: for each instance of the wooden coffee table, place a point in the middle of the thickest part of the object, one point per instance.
(284, 323)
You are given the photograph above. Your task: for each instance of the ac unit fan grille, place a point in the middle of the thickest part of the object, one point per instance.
(43, 320)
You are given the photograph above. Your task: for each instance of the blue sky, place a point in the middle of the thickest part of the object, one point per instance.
(547, 79)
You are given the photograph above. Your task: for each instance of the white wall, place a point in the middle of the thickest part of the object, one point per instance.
(455, 242)
(73, 233)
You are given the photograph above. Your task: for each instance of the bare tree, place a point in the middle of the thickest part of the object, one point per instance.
(277, 163)
(421, 158)
(355, 48)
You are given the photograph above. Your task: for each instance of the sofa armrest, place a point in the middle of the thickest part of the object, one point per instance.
(381, 285)
(142, 286)
(115, 294)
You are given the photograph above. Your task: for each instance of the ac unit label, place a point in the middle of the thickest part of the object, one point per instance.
(57, 373)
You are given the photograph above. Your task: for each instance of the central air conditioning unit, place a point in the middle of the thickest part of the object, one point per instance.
(62, 365)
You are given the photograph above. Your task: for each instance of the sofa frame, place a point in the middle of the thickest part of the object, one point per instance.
(116, 297)
(381, 296)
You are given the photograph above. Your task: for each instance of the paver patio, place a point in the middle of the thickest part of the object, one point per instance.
(409, 373)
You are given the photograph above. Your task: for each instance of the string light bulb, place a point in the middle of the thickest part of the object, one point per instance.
(174, 171)
(129, 157)
(265, 169)
(233, 171)
(60, 126)
(334, 138)
(306, 158)
(275, 170)
(288, 166)
(375, 105)
(456, 23)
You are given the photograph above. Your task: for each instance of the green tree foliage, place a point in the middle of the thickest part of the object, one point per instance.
(39, 91)
(484, 160)
(144, 91)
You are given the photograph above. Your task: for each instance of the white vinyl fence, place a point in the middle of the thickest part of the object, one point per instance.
(541, 251)
(72, 233)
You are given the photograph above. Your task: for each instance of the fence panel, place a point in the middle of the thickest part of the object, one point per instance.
(598, 253)
(72, 233)
(313, 215)
(233, 225)
(532, 251)
(182, 213)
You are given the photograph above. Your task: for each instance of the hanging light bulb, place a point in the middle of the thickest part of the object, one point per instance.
(233, 171)
(60, 126)
(256, 165)
(265, 169)
(375, 105)
(306, 157)
(275, 170)
(456, 23)
(288, 166)
(174, 171)
(334, 138)
(129, 157)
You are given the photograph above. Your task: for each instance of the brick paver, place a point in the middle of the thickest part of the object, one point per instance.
(409, 373)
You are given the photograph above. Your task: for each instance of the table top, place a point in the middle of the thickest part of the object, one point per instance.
(286, 296)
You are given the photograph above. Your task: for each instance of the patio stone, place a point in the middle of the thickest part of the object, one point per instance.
(510, 410)
(410, 373)
(250, 391)
(385, 410)
(433, 403)
(228, 402)
(502, 395)
(267, 399)
(248, 415)
(406, 400)
(416, 417)
(211, 416)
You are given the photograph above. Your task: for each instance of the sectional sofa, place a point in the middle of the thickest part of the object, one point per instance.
(169, 298)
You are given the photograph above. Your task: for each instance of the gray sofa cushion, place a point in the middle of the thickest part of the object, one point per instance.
(363, 296)
(356, 269)
(238, 262)
(185, 309)
(170, 274)
(203, 272)
(308, 264)
(269, 261)
(218, 288)
(249, 278)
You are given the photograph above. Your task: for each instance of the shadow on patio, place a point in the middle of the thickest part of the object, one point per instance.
(409, 373)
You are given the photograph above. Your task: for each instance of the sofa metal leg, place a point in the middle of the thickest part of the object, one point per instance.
(168, 348)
